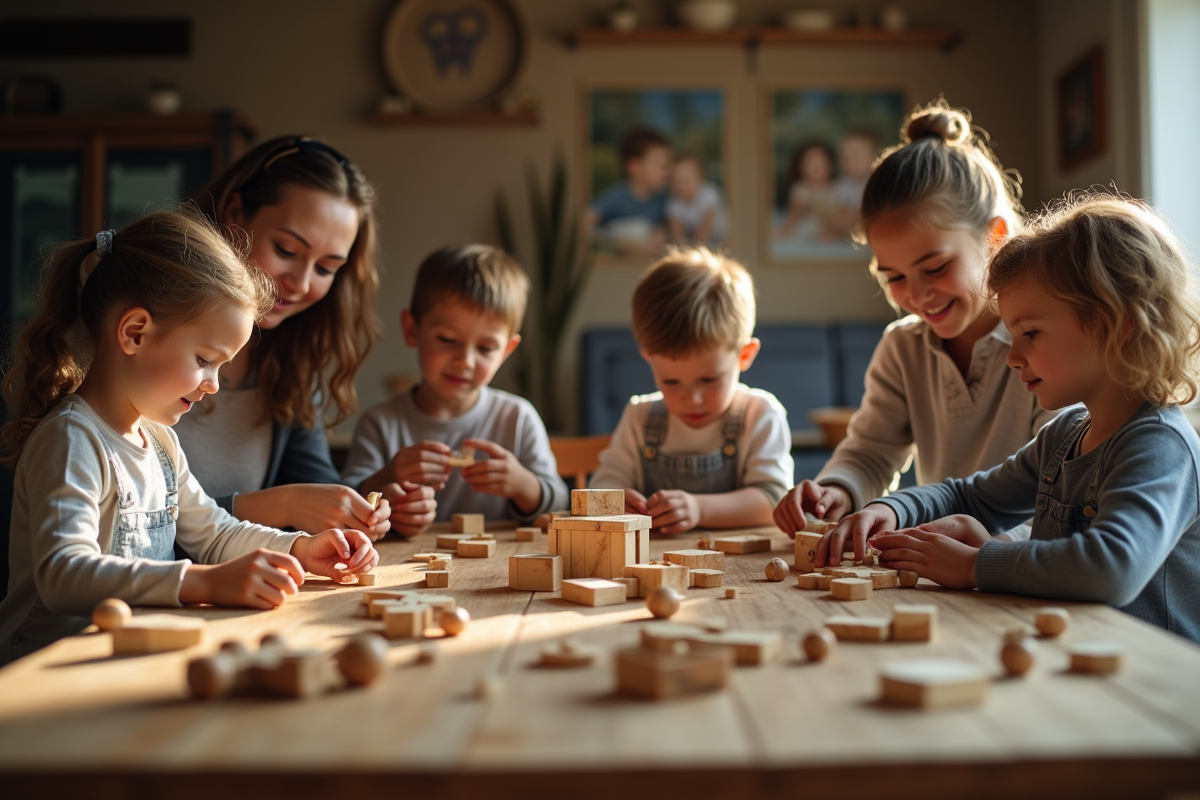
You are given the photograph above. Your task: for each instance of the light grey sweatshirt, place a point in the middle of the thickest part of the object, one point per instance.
(1137, 547)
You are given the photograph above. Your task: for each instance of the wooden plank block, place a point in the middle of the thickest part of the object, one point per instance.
(933, 683)
(528, 534)
(440, 562)
(663, 636)
(749, 647)
(809, 581)
(449, 541)
(914, 622)
(646, 673)
(156, 633)
(296, 674)
(806, 550)
(407, 621)
(597, 502)
(631, 586)
(740, 545)
(593, 591)
(697, 559)
(859, 629)
(536, 572)
(850, 589)
(643, 546)
(437, 578)
(618, 522)
(1096, 658)
(552, 542)
(477, 548)
(885, 579)
(707, 578)
(466, 523)
(651, 575)
(386, 594)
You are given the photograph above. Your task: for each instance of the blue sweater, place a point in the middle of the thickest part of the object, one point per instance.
(1119, 525)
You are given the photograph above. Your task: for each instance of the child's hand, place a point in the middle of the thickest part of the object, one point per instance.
(931, 555)
(413, 507)
(261, 579)
(823, 502)
(503, 475)
(319, 554)
(673, 511)
(961, 528)
(635, 502)
(319, 507)
(426, 463)
(875, 518)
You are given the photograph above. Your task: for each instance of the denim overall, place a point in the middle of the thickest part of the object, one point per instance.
(714, 473)
(1054, 519)
(145, 534)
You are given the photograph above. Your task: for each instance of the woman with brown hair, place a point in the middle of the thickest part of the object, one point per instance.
(260, 448)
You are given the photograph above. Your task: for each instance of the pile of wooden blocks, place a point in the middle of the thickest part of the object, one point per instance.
(406, 614)
(850, 579)
(910, 622)
(595, 547)
(678, 660)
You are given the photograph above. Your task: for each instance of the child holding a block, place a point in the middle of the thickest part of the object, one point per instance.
(705, 450)
(466, 311)
(1103, 311)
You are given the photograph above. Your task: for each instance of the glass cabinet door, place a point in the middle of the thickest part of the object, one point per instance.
(141, 181)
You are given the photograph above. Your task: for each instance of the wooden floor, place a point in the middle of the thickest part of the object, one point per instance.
(75, 720)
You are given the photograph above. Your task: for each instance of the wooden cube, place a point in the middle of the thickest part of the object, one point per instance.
(884, 579)
(441, 562)
(652, 575)
(593, 591)
(466, 523)
(595, 554)
(753, 648)
(697, 559)
(809, 581)
(538, 572)
(1096, 658)
(157, 633)
(597, 502)
(850, 588)
(914, 622)
(933, 683)
(449, 541)
(740, 545)
(440, 603)
(299, 674)
(806, 550)
(823, 582)
(477, 548)
(631, 586)
(646, 673)
(707, 578)
(859, 629)
(407, 621)
(527, 534)
(437, 578)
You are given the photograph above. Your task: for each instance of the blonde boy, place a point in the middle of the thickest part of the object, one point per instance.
(467, 306)
(704, 450)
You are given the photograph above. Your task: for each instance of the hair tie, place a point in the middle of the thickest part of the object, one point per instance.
(104, 243)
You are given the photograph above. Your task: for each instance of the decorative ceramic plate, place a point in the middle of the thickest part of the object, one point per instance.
(454, 55)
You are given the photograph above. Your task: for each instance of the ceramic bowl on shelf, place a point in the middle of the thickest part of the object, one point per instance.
(832, 421)
(809, 19)
(707, 15)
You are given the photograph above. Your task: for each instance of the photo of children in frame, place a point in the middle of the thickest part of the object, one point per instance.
(823, 146)
(655, 158)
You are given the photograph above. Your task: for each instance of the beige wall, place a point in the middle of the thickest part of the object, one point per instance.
(312, 65)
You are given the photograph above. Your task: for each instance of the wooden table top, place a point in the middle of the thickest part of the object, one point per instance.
(75, 719)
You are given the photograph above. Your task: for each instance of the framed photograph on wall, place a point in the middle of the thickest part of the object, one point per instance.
(656, 168)
(1082, 111)
(821, 145)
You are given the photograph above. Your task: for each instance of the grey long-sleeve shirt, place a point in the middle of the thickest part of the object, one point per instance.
(1139, 552)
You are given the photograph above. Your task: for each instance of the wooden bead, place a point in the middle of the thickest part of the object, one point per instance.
(1017, 656)
(212, 676)
(908, 579)
(777, 569)
(362, 659)
(1052, 621)
(663, 602)
(819, 644)
(111, 614)
(455, 622)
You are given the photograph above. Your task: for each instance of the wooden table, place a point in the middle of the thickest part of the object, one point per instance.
(75, 720)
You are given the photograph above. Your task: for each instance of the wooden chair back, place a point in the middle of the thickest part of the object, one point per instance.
(578, 456)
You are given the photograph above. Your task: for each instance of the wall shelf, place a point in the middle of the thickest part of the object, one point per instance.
(435, 119)
(943, 39)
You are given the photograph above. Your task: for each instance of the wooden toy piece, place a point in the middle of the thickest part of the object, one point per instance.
(750, 648)
(818, 526)
(449, 541)
(631, 586)
(647, 673)
(476, 548)
(1018, 652)
(823, 582)
(296, 674)
(369, 598)
(362, 658)
(377, 609)
(859, 629)
(428, 654)
(819, 643)
(542, 522)
(437, 579)
(1096, 658)
(652, 575)
(933, 683)
(777, 569)
(696, 559)
(707, 578)
(440, 562)
(664, 636)
(704, 543)
(489, 687)
(428, 556)
(806, 550)
(914, 622)
(466, 523)
(440, 603)
(597, 554)
(535, 572)
(740, 545)
(462, 458)
(663, 602)
(212, 676)
(731, 593)
(367, 579)
(373, 500)
(691, 579)
(597, 502)
(342, 576)
(454, 622)
(614, 522)
(1052, 621)
(850, 589)
(569, 654)
(907, 578)
(593, 591)
(527, 534)
(407, 620)
(110, 614)
(156, 633)
(809, 581)
(884, 579)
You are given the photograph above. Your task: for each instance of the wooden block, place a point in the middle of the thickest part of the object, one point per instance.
(449, 541)
(441, 562)
(631, 586)
(697, 559)
(617, 522)
(850, 588)
(1052, 621)
(426, 556)
(378, 607)
(569, 654)
(407, 621)
(859, 629)
(663, 636)
(740, 545)
(908, 579)
(437, 578)
(476, 548)
(156, 633)
(810, 581)
(527, 534)
(593, 591)
(823, 582)
(299, 674)
(643, 546)
(597, 502)
(707, 578)
(914, 622)
(652, 575)
(645, 673)
(753, 648)
(463, 458)
(806, 550)
(1096, 658)
(933, 683)
(595, 554)
(538, 572)
(887, 579)
(731, 593)
(466, 523)
(818, 526)
(691, 579)
(367, 579)
(386, 594)
(440, 603)
(552, 542)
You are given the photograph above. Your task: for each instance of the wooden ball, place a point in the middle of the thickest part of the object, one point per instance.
(455, 622)
(111, 614)
(663, 602)
(1052, 621)
(908, 579)
(819, 644)
(211, 676)
(362, 659)
(1017, 656)
(777, 569)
